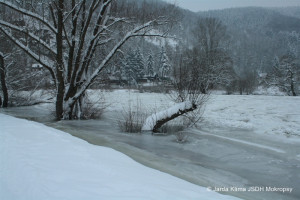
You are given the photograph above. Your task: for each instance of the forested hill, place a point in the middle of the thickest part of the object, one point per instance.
(260, 34)
(289, 11)
(257, 35)
(265, 19)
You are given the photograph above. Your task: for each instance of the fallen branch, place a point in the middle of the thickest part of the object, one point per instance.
(157, 120)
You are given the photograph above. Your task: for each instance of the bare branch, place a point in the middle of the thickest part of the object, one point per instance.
(33, 55)
(82, 38)
(30, 14)
(130, 34)
(73, 10)
(53, 16)
(31, 35)
(66, 35)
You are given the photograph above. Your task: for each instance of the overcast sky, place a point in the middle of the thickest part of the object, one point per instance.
(200, 5)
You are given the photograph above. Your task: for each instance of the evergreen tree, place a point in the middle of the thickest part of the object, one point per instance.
(139, 64)
(164, 67)
(130, 70)
(150, 65)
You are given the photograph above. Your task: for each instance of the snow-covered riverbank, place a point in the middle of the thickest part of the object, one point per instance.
(38, 162)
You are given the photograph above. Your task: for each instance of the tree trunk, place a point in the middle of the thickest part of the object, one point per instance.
(73, 107)
(59, 65)
(3, 82)
(156, 121)
(75, 110)
(161, 122)
(240, 87)
(78, 110)
(293, 89)
(203, 90)
(60, 100)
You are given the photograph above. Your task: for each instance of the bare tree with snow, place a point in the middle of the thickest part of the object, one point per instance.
(206, 65)
(78, 31)
(286, 69)
(188, 96)
(285, 74)
(211, 54)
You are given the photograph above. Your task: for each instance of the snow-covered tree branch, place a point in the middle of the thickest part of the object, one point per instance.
(29, 14)
(79, 30)
(29, 34)
(45, 62)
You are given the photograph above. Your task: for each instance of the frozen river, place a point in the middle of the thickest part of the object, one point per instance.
(217, 158)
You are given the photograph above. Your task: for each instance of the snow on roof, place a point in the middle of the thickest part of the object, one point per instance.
(36, 65)
(262, 75)
(113, 78)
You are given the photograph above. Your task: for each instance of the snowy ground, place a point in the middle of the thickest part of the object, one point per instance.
(274, 115)
(262, 114)
(38, 162)
(243, 141)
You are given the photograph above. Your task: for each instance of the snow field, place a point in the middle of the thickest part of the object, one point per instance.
(274, 115)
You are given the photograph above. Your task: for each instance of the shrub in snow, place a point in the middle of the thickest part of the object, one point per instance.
(132, 119)
(93, 106)
(29, 98)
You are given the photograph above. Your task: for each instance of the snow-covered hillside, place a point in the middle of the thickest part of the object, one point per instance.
(38, 162)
